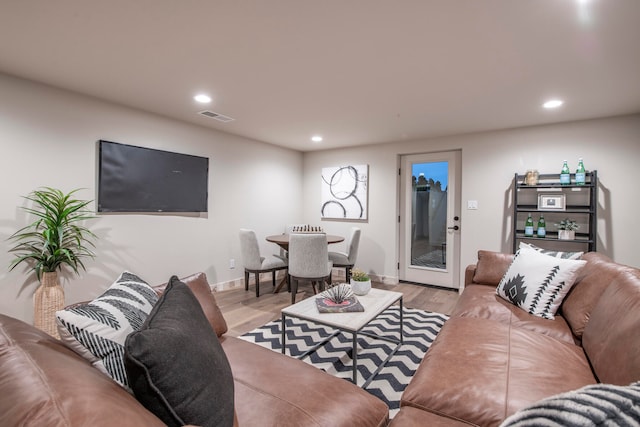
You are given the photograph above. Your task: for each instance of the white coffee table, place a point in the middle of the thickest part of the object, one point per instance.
(374, 303)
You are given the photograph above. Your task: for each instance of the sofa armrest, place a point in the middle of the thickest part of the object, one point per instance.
(469, 272)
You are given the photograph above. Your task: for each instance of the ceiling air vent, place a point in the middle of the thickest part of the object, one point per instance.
(217, 116)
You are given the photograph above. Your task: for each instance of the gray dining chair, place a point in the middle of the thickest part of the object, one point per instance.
(255, 263)
(347, 259)
(288, 229)
(308, 261)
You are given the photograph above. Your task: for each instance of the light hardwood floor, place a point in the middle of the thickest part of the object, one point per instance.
(244, 312)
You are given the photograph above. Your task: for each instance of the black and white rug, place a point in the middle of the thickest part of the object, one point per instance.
(420, 329)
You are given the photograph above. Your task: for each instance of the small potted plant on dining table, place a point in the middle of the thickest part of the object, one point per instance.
(567, 229)
(360, 282)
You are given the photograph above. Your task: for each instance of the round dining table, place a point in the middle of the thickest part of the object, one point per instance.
(282, 240)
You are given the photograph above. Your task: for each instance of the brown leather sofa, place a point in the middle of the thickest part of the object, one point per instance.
(492, 358)
(43, 383)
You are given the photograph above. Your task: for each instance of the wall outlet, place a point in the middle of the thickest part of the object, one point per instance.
(472, 204)
(232, 263)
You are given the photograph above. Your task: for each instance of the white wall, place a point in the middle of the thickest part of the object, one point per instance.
(489, 161)
(48, 138)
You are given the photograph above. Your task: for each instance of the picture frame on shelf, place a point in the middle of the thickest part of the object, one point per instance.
(551, 202)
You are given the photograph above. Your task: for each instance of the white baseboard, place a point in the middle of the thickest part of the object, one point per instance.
(337, 276)
(239, 282)
(387, 280)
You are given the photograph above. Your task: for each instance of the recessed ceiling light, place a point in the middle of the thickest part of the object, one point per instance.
(202, 98)
(316, 138)
(554, 103)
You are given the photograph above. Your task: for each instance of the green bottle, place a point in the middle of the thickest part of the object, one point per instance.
(528, 227)
(565, 174)
(580, 173)
(542, 227)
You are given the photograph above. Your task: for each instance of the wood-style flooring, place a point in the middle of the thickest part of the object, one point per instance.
(244, 312)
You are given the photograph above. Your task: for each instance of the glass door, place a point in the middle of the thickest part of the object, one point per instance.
(429, 219)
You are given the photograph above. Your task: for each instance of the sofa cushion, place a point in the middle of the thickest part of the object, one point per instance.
(44, 383)
(200, 287)
(491, 266)
(592, 405)
(97, 330)
(480, 371)
(538, 283)
(279, 390)
(611, 338)
(481, 301)
(590, 283)
(176, 365)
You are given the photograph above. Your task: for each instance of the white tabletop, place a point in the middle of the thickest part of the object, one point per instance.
(374, 303)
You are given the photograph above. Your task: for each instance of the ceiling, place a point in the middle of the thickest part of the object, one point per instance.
(354, 71)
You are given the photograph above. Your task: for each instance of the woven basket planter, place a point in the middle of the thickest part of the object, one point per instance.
(47, 299)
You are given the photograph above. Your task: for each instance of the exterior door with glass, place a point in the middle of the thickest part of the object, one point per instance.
(430, 219)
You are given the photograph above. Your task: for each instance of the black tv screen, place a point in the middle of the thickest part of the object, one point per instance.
(138, 179)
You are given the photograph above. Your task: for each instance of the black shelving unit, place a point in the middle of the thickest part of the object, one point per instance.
(580, 205)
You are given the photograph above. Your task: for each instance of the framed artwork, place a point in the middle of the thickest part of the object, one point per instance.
(344, 192)
(551, 202)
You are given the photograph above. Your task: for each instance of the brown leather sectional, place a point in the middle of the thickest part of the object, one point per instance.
(43, 383)
(492, 358)
(489, 360)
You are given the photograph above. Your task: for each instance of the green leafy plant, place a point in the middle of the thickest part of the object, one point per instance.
(567, 224)
(359, 275)
(56, 237)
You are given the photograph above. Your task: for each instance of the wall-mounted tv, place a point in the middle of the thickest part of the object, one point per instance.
(138, 179)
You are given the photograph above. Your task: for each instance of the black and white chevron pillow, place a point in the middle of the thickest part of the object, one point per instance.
(98, 330)
(592, 405)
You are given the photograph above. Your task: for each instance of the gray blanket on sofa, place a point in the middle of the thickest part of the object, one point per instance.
(593, 405)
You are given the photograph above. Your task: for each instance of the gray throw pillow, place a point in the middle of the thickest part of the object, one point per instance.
(176, 365)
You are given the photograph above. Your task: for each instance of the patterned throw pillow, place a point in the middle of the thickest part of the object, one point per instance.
(538, 283)
(592, 405)
(556, 254)
(98, 330)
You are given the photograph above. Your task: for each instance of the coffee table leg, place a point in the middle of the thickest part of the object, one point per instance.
(284, 335)
(355, 358)
(401, 323)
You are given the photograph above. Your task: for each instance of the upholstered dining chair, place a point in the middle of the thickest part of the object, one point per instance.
(288, 229)
(308, 261)
(255, 263)
(347, 259)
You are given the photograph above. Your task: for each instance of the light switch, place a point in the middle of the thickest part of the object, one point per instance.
(472, 204)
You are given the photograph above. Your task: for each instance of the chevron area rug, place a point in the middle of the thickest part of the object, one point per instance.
(420, 329)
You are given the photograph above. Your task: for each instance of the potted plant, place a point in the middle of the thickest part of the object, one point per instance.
(360, 282)
(567, 229)
(54, 239)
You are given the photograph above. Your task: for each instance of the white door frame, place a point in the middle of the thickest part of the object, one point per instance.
(449, 276)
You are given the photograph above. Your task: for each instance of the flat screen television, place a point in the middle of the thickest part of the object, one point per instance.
(138, 179)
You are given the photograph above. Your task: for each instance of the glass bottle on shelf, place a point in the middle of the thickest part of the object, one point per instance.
(565, 174)
(528, 227)
(542, 227)
(580, 173)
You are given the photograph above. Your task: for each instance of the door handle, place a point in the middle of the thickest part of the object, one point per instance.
(454, 228)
